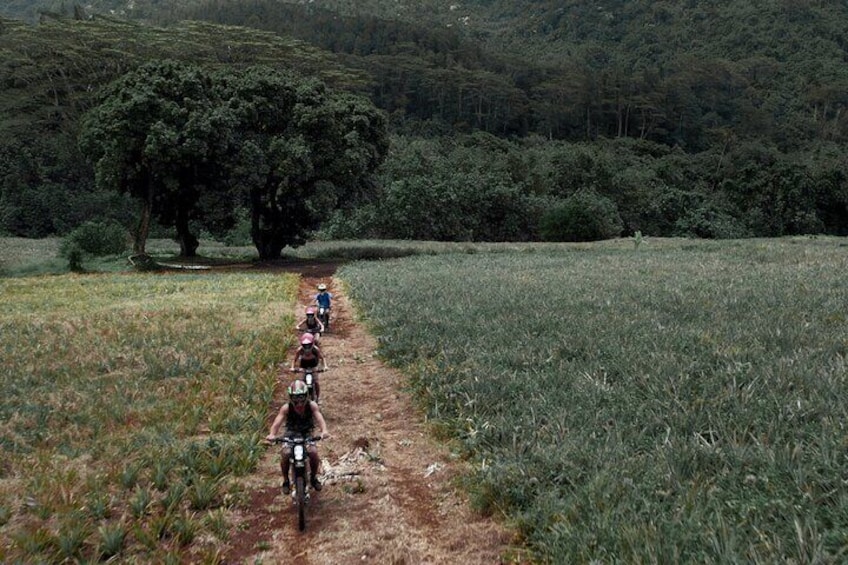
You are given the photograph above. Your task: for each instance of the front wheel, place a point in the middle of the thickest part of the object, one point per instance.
(300, 500)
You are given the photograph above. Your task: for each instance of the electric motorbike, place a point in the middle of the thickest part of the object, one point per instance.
(324, 316)
(299, 471)
(309, 378)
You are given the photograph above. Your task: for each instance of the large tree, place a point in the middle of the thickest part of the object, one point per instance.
(300, 151)
(183, 141)
(152, 136)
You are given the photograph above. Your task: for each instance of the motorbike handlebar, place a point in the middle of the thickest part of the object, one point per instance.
(295, 440)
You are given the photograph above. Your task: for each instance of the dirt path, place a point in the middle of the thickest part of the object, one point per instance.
(389, 495)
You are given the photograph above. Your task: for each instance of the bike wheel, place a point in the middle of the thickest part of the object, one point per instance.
(300, 498)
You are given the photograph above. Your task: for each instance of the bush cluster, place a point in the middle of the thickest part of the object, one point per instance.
(95, 238)
(584, 216)
(479, 188)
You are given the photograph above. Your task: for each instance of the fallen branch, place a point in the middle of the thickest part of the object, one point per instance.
(144, 262)
(188, 267)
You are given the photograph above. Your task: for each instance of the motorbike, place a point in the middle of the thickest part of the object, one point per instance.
(299, 471)
(324, 316)
(309, 379)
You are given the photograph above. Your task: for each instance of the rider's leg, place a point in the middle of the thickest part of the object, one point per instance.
(284, 463)
(314, 462)
(284, 469)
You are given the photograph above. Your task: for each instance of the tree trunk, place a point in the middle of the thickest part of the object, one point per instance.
(269, 244)
(143, 228)
(188, 242)
(269, 241)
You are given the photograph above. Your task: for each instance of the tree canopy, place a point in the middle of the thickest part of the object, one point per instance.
(298, 150)
(181, 140)
(725, 119)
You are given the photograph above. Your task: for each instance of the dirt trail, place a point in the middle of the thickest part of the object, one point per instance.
(389, 494)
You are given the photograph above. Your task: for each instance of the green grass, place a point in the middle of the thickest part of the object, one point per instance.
(129, 406)
(672, 402)
(22, 255)
(33, 257)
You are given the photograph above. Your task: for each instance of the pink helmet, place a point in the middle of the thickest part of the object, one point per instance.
(310, 311)
(307, 339)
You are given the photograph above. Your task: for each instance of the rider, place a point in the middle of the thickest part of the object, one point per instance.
(308, 355)
(323, 299)
(311, 324)
(300, 416)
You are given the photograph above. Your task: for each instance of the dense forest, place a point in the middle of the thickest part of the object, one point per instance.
(515, 120)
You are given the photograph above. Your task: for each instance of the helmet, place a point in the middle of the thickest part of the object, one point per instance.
(310, 311)
(322, 286)
(307, 339)
(298, 392)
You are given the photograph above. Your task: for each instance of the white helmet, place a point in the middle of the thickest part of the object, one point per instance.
(322, 286)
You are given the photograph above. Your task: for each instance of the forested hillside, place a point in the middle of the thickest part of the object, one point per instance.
(713, 119)
(685, 73)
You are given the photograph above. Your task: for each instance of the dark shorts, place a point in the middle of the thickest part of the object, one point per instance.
(308, 363)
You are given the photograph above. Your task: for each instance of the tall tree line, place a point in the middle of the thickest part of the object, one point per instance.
(750, 97)
(675, 72)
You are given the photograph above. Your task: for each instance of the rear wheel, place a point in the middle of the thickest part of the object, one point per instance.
(300, 498)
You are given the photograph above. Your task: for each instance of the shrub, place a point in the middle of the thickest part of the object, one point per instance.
(111, 540)
(239, 234)
(96, 238)
(203, 494)
(583, 216)
(356, 223)
(711, 222)
(74, 255)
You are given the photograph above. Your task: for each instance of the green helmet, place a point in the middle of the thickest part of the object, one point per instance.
(298, 392)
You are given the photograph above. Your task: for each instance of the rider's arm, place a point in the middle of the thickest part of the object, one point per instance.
(319, 419)
(321, 358)
(296, 357)
(278, 421)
